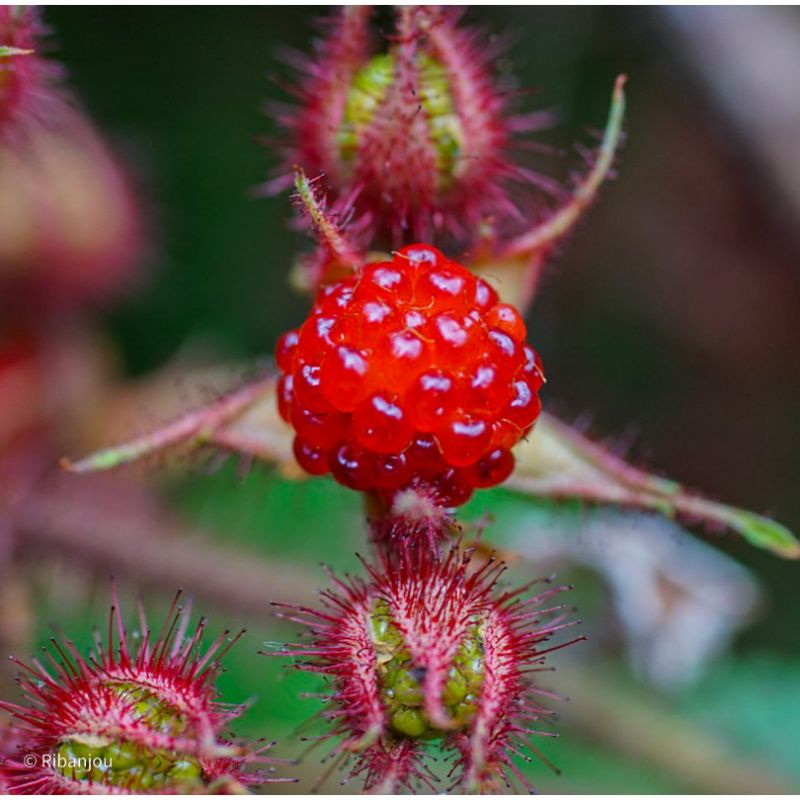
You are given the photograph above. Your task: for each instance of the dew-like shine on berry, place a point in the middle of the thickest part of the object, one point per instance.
(410, 370)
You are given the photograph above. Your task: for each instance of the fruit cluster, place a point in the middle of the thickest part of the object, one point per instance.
(410, 370)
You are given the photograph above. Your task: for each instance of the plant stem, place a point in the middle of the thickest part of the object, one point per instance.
(167, 559)
(649, 734)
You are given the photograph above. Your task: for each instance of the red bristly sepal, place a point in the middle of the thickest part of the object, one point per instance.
(413, 141)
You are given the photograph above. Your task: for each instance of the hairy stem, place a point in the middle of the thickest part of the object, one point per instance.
(543, 237)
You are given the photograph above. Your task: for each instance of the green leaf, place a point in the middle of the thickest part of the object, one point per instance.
(244, 420)
(761, 531)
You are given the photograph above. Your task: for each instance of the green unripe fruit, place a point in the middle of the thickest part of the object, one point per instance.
(402, 682)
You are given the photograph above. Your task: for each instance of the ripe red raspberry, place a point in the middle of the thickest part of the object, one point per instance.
(411, 370)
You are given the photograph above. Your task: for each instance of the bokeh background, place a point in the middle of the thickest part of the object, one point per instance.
(669, 325)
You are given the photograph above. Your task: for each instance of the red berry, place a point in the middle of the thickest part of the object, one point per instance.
(458, 338)
(307, 389)
(403, 354)
(492, 469)
(532, 368)
(454, 487)
(506, 318)
(525, 406)
(464, 439)
(385, 280)
(431, 399)
(316, 337)
(487, 389)
(352, 467)
(393, 470)
(419, 255)
(335, 299)
(285, 394)
(410, 371)
(485, 295)
(426, 456)
(285, 350)
(344, 373)
(312, 459)
(414, 319)
(444, 286)
(321, 430)
(380, 424)
(505, 434)
(364, 323)
(504, 352)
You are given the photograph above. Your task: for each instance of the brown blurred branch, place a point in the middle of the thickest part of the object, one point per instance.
(649, 734)
(165, 557)
(747, 60)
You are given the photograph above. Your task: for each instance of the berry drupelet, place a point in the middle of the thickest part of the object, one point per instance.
(410, 371)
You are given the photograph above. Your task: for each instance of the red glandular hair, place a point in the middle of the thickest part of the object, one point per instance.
(413, 141)
(425, 648)
(141, 711)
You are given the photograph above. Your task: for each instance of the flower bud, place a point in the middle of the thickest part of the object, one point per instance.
(26, 79)
(138, 716)
(429, 648)
(69, 227)
(415, 143)
(70, 230)
(415, 137)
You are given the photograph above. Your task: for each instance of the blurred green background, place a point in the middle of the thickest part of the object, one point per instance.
(670, 320)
